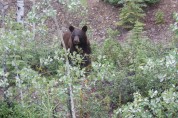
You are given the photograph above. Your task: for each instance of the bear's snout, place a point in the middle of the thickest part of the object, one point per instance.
(76, 40)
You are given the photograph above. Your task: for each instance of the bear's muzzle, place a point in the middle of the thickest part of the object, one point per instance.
(76, 40)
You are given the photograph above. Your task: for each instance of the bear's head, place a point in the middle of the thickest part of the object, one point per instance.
(76, 41)
(79, 38)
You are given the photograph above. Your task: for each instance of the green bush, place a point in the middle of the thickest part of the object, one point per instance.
(158, 105)
(159, 74)
(153, 66)
(125, 58)
(13, 111)
(131, 61)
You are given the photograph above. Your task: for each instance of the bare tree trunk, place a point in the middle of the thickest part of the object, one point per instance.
(34, 25)
(20, 11)
(19, 82)
(20, 19)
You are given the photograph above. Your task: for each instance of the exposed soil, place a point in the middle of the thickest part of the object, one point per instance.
(101, 16)
(161, 32)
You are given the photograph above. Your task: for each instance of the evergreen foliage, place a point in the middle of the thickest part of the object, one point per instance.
(130, 13)
(151, 1)
(123, 1)
(159, 17)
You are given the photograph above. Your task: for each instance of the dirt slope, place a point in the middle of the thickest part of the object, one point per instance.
(101, 16)
(161, 32)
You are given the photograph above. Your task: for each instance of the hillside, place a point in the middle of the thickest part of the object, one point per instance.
(101, 16)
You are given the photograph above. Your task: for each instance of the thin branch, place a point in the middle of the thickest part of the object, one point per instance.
(59, 33)
(6, 98)
(34, 25)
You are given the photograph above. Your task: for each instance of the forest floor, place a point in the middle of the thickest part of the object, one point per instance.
(100, 16)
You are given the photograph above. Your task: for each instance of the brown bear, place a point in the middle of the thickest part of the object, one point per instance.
(76, 39)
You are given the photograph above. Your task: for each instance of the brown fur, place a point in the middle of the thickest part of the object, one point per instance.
(67, 39)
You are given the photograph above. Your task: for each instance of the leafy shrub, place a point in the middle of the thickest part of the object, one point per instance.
(138, 65)
(124, 60)
(157, 105)
(130, 60)
(160, 73)
(13, 111)
(142, 52)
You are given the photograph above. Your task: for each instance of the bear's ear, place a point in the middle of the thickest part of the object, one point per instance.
(84, 28)
(71, 28)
